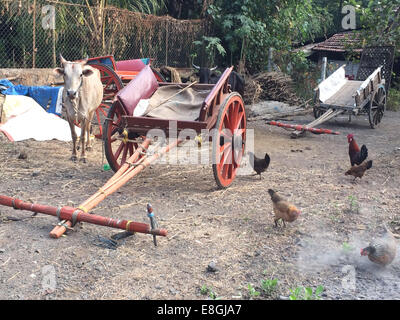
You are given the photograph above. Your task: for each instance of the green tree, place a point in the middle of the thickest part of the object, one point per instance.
(249, 27)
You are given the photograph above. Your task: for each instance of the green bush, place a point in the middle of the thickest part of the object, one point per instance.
(393, 101)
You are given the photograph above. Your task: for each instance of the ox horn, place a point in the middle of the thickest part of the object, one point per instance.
(84, 61)
(196, 67)
(63, 61)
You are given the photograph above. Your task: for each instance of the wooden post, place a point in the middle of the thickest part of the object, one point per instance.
(166, 42)
(270, 57)
(34, 35)
(53, 31)
(323, 69)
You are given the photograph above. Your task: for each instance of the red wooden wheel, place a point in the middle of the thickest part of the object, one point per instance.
(229, 140)
(111, 85)
(116, 149)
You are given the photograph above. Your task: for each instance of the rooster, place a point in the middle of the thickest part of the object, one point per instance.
(259, 165)
(382, 250)
(283, 210)
(356, 155)
(358, 171)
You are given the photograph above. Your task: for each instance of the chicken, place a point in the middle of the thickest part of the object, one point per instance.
(381, 250)
(358, 171)
(283, 210)
(259, 165)
(356, 155)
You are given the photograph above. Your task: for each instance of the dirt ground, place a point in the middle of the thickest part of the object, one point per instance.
(233, 228)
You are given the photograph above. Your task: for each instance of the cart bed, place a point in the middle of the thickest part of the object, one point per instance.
(344, 97)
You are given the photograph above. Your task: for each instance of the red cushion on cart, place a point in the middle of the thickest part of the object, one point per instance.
(141, 87)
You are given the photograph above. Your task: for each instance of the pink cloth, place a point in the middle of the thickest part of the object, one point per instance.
(141, 87)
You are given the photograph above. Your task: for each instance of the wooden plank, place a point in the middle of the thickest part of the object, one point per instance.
(142, 125)
(346, 95)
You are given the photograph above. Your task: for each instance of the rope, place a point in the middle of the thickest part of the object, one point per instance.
(83, 209)
(13, 204)
(74, 217)
(127, 225)
(58, 213)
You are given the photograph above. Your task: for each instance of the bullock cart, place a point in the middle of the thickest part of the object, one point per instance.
(336, 95)
(366, 95)
(127, 140)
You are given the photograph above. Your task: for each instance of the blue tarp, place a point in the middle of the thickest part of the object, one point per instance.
(46, 96)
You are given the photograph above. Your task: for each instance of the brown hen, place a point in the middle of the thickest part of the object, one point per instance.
(283, 210)
(381, 250)
(358, 171)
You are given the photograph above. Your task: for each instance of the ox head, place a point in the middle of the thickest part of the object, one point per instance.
(73, 73)
(204, 73)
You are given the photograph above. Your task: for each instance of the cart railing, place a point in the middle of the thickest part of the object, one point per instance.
(369, 86)
(209, 110)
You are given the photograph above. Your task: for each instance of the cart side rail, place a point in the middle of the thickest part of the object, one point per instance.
(107, 60)
(369, 86)
(210, 107)
(331, 85)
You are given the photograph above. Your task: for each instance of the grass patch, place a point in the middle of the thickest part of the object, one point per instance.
(204, 290)
(269, 286)
(302, 293)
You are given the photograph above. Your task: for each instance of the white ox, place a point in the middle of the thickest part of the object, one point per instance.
(83, 92)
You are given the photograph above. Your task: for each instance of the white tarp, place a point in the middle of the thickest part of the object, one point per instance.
(26, 119)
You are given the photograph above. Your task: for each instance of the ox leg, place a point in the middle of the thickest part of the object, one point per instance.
(74, 137)
(89, 129)
(82, 141)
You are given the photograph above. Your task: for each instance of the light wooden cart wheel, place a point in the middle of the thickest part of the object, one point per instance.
(377, 107)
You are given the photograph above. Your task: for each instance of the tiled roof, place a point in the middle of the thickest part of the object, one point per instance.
(341, 42)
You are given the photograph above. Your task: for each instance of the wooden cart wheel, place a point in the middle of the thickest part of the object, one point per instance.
(111, 85)
(318, 112)
(116, 149)
(377, 106)
(158, 75)
(229, 140)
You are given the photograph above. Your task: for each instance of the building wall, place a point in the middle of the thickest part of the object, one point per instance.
(351, 67)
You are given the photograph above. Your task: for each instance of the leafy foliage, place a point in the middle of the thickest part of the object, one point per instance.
(393, 102)
(379, 19)
(210, 45)
(248, 28)
(269, 285)
(252, 291)
(204, 290)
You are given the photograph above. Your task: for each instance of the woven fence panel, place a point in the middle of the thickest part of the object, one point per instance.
(80, 31)
(374, 57)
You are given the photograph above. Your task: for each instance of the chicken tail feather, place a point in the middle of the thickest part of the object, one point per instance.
(271, 192)
(267, 160)
(363, 153)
